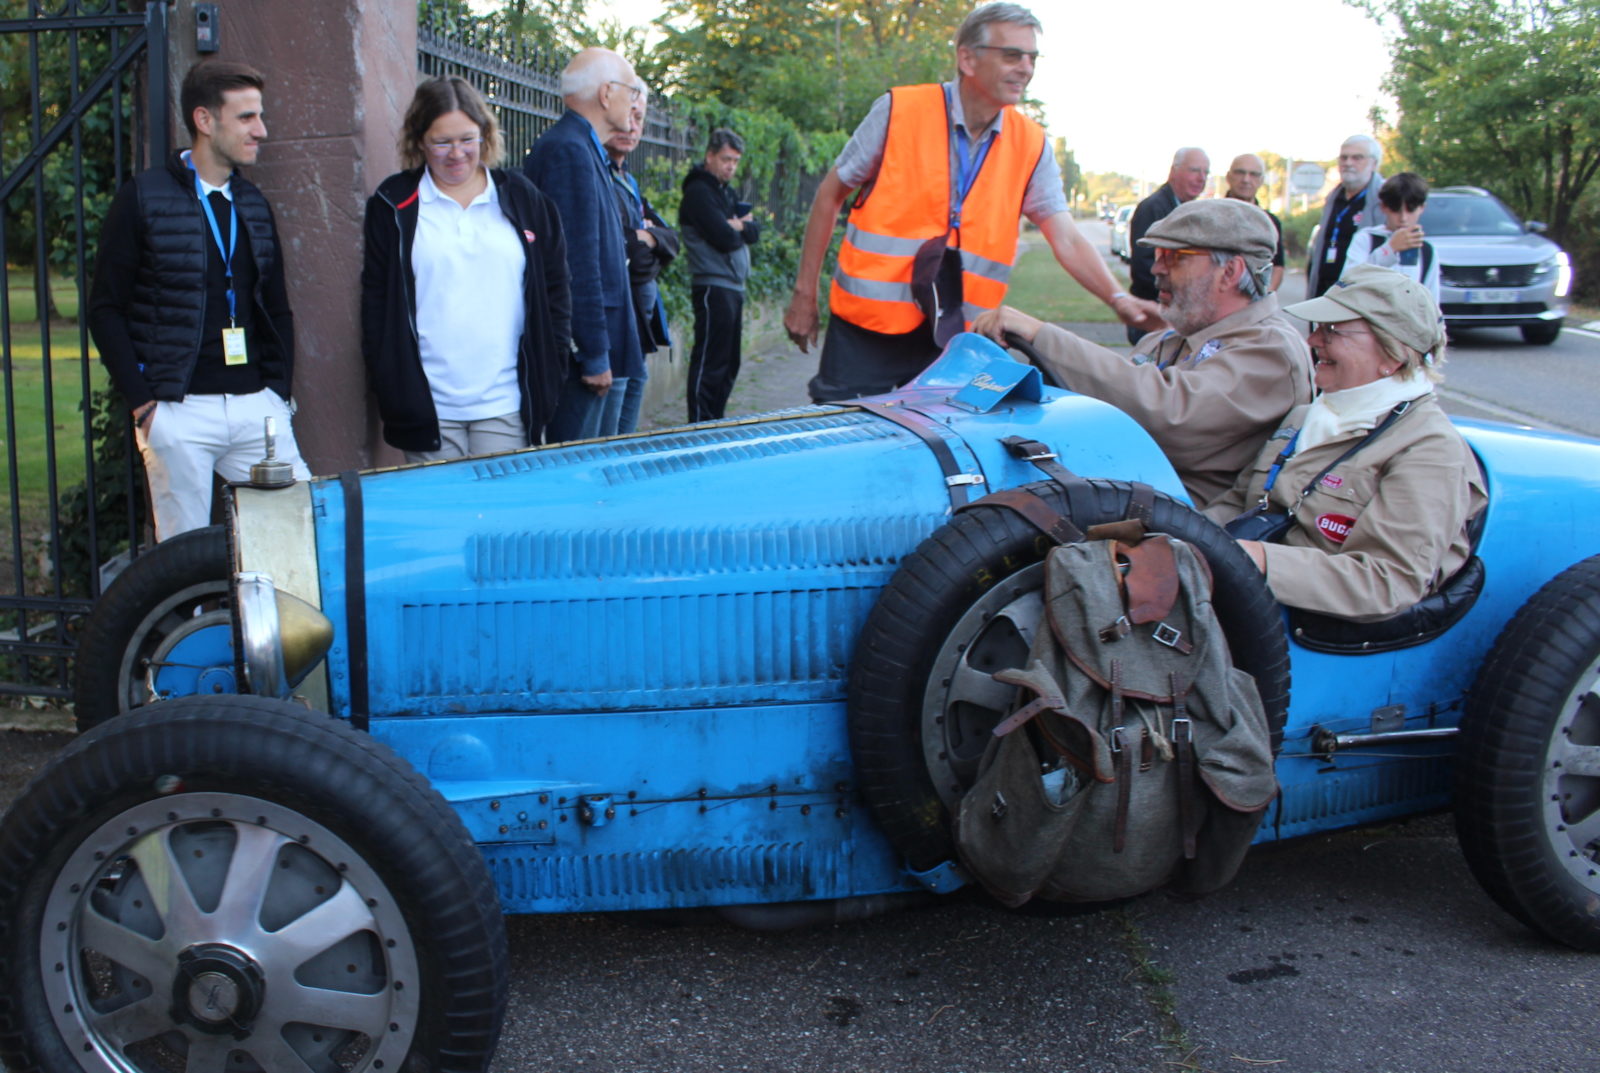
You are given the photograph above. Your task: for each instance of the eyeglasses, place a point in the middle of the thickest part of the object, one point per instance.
(635, 91)
(466, 145)
(1011, 56)
(1162, 253)
(1333, 331)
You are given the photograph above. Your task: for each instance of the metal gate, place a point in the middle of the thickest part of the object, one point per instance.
(83, 95)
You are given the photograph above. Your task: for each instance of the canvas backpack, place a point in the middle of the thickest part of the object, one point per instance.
(1141, 755)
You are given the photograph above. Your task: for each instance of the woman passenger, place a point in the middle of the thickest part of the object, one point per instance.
(465, 305)
(1377, 485)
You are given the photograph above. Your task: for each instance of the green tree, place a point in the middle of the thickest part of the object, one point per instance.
(1071, 173)
(1500, 93)
(1117, 189)
(66, 62)
(818, 63)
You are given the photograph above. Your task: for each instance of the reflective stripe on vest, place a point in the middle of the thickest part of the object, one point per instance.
(909, 203)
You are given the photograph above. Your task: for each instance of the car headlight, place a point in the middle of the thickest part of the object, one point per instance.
(282, 637)
(1563, 268)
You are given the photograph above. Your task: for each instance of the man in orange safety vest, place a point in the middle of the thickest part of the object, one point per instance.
(944, 173)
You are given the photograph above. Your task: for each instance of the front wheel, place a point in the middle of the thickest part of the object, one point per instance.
(163, 629)
(1542, 334)
(232, 883)
(1528, 772)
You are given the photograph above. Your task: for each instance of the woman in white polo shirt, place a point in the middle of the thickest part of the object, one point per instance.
(464, 295)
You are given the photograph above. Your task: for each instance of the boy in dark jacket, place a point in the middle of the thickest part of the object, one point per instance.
(717, 233)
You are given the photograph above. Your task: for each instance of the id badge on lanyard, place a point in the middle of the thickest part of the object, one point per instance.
(234, 351)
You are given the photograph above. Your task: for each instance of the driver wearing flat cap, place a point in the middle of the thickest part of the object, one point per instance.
(1213, 386)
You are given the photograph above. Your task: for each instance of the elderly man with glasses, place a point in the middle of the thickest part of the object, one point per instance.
(1211, 389)
(569, 163)
(1246, 175)
(940, 175)
(1352, 206)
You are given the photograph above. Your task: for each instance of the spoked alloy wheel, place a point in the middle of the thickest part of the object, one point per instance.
(214, 931)
(963, 702)
(233, 883)
(1528, 773)
(1569, 783)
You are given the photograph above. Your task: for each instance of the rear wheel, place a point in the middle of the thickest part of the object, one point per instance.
(1541, 334)
(235, 884)
(1528, 772)
(163, 629)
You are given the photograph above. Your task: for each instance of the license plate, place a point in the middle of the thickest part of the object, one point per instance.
(1497, 297)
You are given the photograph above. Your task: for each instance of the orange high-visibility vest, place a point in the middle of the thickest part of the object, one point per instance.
(909, 203)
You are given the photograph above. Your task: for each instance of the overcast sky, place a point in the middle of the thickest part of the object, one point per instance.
(1128, 86)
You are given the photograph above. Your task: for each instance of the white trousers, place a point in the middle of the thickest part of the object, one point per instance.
(187, 441)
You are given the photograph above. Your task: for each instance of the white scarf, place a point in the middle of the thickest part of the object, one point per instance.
(1338, 413)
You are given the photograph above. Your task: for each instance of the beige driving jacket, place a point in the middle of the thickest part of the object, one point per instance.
(1382, 530)
(1209, 399)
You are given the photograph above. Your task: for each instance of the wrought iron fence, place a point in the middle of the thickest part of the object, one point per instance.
(522, 85)
(84, 95)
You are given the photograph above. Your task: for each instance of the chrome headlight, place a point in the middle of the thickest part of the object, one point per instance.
(1563, 267)
(281, 636)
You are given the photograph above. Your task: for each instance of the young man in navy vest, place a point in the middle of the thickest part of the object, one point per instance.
(189, 309)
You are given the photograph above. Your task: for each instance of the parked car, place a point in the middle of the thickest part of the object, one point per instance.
(1495, 270)
(1119, 233)
(743, 664)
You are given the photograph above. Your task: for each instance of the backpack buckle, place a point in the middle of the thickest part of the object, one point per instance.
(1117, 630)
(1168, 635)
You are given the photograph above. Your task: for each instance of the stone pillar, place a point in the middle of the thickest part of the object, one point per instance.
(339, 76)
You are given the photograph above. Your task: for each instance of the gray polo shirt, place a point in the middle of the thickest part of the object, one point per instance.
(862, 156)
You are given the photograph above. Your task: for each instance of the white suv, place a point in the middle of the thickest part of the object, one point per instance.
(1494, 269)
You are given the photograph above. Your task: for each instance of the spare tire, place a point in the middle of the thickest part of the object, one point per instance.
(962, 606)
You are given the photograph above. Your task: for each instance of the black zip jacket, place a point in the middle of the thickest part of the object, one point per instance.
(389, 309)
(148, 307)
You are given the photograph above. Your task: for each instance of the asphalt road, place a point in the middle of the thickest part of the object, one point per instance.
(1368, 951)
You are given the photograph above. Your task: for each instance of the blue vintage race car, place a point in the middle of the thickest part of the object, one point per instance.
(744, 665)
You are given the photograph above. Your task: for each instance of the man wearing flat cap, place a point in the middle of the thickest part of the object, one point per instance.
(1215, 385)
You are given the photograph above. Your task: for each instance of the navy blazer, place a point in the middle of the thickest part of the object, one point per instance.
(565, 163)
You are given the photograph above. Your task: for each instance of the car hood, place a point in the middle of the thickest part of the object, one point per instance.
(1492, 249)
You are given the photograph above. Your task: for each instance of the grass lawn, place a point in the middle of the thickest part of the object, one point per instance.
(23, 306)
(26, 383)
(1042, 287)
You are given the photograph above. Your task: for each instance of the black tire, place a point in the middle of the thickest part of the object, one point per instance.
(1542, 334)
(318, 891)
(959, 604)
(1529, 817)
(166, 595)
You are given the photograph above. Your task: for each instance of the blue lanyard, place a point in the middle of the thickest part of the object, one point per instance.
(216, 233)
(968, 173)
(1283, 456)
(1338, 221)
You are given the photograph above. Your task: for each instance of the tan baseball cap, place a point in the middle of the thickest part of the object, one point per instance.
(1217, 224)
(1394, 304)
